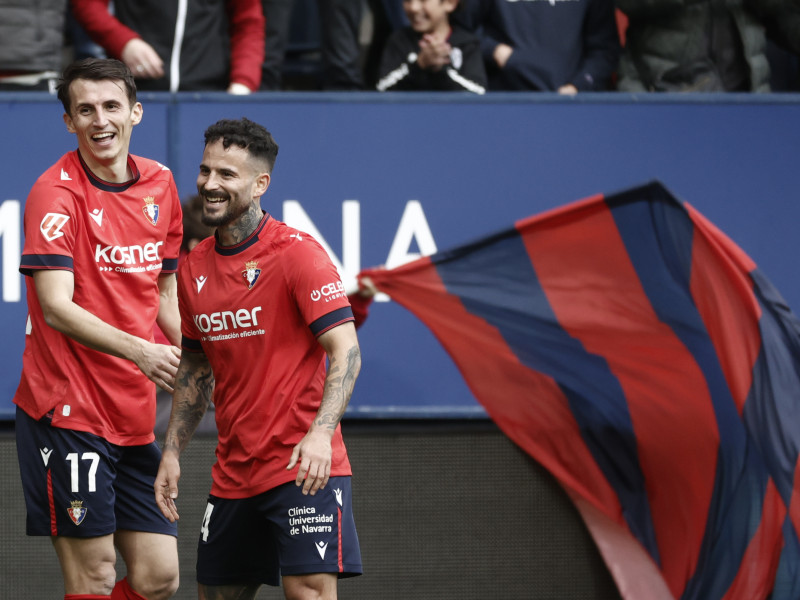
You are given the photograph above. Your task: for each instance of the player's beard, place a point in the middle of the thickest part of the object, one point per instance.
(231, 213)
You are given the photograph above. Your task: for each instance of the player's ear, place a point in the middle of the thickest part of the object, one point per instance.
(261, 184)
(136, 113)
(68, 122)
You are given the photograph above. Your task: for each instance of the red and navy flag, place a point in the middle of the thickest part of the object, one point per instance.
(636, 352)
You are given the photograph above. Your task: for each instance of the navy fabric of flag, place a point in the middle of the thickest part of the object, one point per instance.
(636, 352)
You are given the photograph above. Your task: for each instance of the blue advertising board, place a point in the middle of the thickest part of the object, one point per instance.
(383, 178)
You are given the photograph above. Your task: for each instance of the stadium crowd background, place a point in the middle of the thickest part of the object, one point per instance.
(421, 540)
(741, 45)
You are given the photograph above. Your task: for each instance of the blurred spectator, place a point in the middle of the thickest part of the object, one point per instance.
(194, 230)
(555, 45)
(31, 44)
(387, 17)
(79, 42)
(207, 45)
(697, 45)
(340, 22)
(781, 19)
(430, 54)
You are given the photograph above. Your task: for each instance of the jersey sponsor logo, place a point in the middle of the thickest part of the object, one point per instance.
(150, 209)
(227, 320)
(200, 281)
(330, 291)
(52, 224)
(97, 216)
(128, 255)
(298, 236)
(77, 511)
(250, 273)
(65, 176)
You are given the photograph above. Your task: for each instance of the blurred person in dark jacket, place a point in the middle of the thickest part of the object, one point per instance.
(31, 44)
(568, 46)
(212, 45)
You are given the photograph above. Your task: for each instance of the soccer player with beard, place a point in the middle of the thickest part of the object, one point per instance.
(262, 307)
(102, 236)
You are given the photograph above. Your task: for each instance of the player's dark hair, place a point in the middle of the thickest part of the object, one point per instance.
(95, 69)
(246, 134)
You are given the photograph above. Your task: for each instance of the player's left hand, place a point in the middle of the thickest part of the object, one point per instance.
(314, 454)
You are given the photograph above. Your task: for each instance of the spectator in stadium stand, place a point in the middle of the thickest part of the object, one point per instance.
(703, 45)
(340, 48)
(211, 45)
(102, 237)
(568, 46)
(31, 44)
(280, 508)
(430, 54)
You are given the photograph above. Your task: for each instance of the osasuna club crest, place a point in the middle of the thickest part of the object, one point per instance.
(251, 273)
(150, 209)
(77, 511)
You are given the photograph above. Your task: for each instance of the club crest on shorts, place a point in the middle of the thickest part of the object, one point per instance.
(77, 512)
(251, 273)
(150, 209)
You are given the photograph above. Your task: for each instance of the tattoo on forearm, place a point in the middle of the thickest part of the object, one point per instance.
(193, 391)
(339, 384)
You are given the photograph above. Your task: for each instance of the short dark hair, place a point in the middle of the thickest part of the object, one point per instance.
(95, 69)
(246, 134)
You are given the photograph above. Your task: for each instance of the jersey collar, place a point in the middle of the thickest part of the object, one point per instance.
(107, 186)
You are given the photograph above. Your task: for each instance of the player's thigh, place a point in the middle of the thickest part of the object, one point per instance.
(150, 557)
(227, 592)
(86, 562)
(322, 586)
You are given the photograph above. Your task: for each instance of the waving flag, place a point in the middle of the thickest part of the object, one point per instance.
(637, 353)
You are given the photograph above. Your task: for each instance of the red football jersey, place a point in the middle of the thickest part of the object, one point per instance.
(116, 239)
(255, 310)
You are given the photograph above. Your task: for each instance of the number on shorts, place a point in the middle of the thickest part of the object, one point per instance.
(206, 519)
(72, 457)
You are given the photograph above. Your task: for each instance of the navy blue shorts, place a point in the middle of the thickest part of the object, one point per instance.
(279, 532)
(76, 484)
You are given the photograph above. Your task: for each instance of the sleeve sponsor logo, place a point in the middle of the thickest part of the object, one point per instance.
(52, 224)
(330, 291)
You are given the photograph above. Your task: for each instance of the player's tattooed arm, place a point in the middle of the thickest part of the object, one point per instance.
(314, 453)
(194, 387)
(340, 380)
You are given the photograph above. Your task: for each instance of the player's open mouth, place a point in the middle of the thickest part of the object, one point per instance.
(102, 137)
(215, 199)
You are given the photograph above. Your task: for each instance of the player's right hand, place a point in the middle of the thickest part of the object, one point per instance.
(160, 363)
(166, 485)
